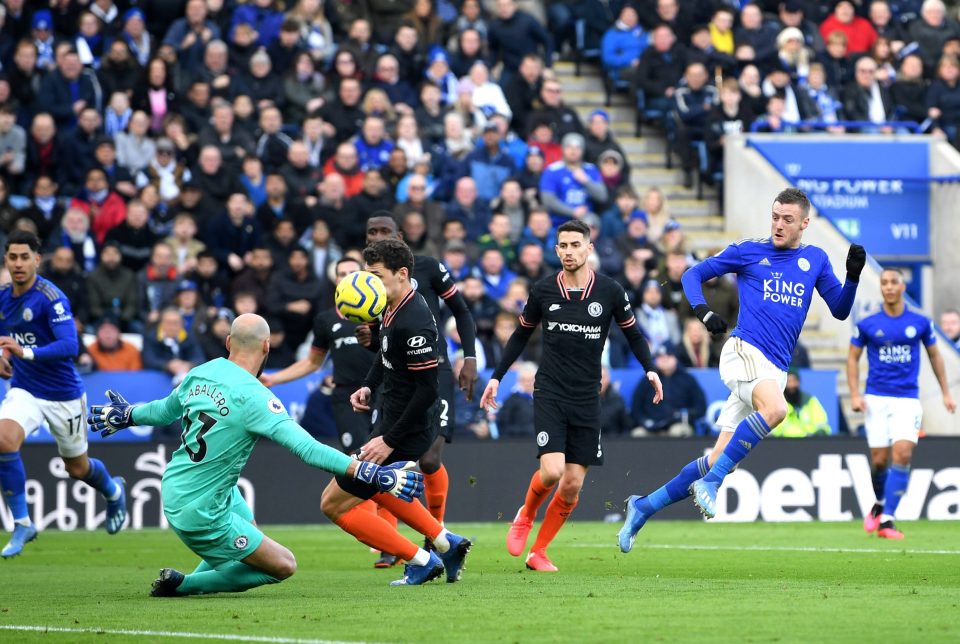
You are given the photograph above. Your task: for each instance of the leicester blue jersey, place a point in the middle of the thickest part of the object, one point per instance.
(558, 179)
(41, 320)
(776, 287)
(893, 351)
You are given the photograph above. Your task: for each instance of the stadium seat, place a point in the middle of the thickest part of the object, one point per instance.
(580, 52)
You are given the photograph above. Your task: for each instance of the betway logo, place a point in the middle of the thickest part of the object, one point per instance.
(572, 328)
(791, 494)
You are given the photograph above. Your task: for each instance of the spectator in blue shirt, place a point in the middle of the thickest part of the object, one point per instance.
(373, 147)
(623, 43)
(569, 187)
(489, 164)
(493, 272)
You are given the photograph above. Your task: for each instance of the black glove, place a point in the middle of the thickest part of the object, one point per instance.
(715, 324)
(856, 259)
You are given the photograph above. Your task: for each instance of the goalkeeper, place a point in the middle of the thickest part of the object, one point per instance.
(224, 410)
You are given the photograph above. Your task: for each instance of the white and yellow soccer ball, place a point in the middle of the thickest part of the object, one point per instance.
(361, 297)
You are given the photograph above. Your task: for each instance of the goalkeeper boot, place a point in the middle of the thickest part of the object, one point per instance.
(538, 561)
(167, 583)
(632, 524)
(889, 531)
(518, 533)
(22, 535)
(705, 497)
(117, 509)
(872, 521)
(454, 558)
(414, 575)
(386, 561)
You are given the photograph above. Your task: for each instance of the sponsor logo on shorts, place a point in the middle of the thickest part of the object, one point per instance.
(595, 309)
(804, 264)
(416, 341)
(275, 406)
(241, 542)
(543, 438)
(346, 439)
(27, 314)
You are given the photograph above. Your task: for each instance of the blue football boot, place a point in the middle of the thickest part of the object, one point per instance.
(414, 575)
(117, 510)
(454, 558)
(705, 497)
(22, 535)
(632, 524)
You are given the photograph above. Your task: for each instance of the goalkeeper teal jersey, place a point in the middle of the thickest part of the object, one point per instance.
(224, 410)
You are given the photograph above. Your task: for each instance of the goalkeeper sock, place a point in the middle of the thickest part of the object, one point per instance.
(386, 515)
(99, 479)
(415, 516)
(676, 489)
(13, 485)
(746, 436)
(553, 520)
(373, 531)
(235, 577)
(895, 488)
(435, 492)
(879, 478)
(203, 566)
(537, 493)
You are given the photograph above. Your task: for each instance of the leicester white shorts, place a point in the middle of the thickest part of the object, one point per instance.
(742, 367)
(65, 419)
(891, 419)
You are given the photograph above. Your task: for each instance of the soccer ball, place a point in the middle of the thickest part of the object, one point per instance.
(361, 297)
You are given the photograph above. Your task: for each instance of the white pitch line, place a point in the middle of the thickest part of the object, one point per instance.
(171, 634)
(814, 549)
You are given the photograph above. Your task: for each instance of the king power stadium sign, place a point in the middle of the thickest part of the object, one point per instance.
(814, 479)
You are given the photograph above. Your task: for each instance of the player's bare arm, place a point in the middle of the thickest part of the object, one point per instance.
(853, 378)
(940, 371)
(297, 370)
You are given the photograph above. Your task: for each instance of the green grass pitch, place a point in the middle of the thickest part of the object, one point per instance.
(684, 581)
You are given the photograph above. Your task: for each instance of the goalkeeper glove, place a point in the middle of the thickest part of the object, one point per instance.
(856, 259)
(715, 324)
(110, 419)
(396, 479)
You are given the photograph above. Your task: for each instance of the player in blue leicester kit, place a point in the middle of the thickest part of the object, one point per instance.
(892, 338)
(38, 332)
(776, 278)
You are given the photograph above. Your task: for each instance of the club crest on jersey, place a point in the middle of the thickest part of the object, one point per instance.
(336, 327)
(275, 406)
(241, 542)
(27, 314)
(595, 309)
(911, 331)
(383, 344)
(543, 438)
(804, 264)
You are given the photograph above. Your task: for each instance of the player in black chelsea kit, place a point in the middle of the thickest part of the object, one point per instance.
(575, 307)
(406, 365)
(335, 336)
(432, 280)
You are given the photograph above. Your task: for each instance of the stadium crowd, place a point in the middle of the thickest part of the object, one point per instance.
(188, 161)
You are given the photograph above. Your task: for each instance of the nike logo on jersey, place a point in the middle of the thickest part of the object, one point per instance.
(764, 262)
(554, 307)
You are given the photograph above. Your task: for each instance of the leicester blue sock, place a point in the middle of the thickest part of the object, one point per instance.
(13, 484)
(896, 487)
(99, 479)
(746, 436)
(676, 489)
(879, 477)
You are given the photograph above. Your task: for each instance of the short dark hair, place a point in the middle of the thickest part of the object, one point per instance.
(392, 253)
(795, 196)
(574, 226)
(344, 260)
(23, 237)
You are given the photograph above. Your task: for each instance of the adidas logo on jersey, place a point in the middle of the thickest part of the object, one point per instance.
(764, 262)
(879, 333)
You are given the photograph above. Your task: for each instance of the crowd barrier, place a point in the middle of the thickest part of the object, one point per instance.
(825, 479)
(305, 401)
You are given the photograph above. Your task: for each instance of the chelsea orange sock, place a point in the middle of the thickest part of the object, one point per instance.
(385, 514)
(436, 486)
(537, 493)
(413, 514)
(370, 529)
(557, 513)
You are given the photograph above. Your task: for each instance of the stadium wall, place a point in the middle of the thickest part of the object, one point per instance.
(751, 184)
(825, 479)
